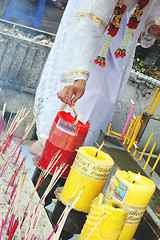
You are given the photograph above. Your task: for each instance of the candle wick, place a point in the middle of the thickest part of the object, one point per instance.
(134, 181)
(96, 154)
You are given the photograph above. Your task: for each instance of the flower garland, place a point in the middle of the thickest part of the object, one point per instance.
(114, 26)
(132, 24)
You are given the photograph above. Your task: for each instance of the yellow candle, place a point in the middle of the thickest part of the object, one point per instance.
(109, 128)
(128, 131)
(155, 104)
(132, 132)
(141, 115)
(136, 148)
(104, 221)
(134, 136)
(149, 139)
(150, 154)
(74, 110)
(135, 197)
(92, 171)
(154, 166)
(152, 100)
(116, 134)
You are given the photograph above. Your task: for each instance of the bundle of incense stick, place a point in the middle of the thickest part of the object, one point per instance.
(36, 216)
(65, 214)
(41, 178)
(13, 126)
(16, 201)
(17, 146)
(57, 225)
(45, 173)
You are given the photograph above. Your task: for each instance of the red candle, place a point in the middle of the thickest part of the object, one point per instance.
(65, 135)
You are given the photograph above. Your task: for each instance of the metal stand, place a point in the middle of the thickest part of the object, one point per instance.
(45, 184)
(74, 222)
(145, 122)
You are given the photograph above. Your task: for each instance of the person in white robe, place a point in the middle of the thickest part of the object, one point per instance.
(70, 70)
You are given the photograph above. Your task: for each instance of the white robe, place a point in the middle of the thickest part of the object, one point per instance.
(77, 43)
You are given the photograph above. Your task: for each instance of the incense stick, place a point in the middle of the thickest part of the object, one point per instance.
(96, 225)
(36, 215)
(2, 226)
(41, 178)
(65, 215)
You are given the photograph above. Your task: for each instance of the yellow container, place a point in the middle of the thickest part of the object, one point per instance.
(135, 194)
(105, 220)
(92, 172)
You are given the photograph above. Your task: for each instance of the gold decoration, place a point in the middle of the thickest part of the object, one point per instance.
(93, 17)
(66, 76)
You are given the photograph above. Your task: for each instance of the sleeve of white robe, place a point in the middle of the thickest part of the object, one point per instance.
(84, 37)
(153, 19)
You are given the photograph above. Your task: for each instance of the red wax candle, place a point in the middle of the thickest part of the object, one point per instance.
(66, 136)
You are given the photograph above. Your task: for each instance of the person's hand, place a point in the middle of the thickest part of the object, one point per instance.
(71, 93)
(154, 30)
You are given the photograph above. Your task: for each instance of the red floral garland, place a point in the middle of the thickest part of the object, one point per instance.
(133, 23)
(115, 23)
(112, 31)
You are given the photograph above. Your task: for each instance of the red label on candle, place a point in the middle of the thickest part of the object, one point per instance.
(67, 127)
(65, 136)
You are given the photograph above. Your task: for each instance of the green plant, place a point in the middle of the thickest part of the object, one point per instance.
(138, 65)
